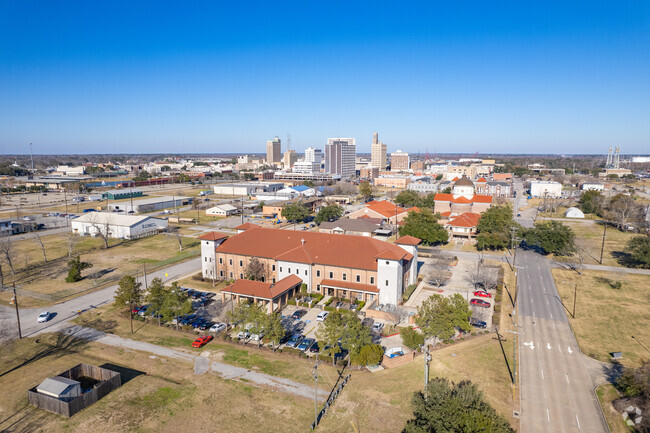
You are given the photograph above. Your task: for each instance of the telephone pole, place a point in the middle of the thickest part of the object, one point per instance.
(20, 333)
(575, 295)
(316, 393)
(427, 359)
(602, 248)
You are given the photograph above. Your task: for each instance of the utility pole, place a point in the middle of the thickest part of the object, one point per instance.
(427, 359)
(316, 393)
(20, 333)
(575, 294)
(32, 156)
(602, 248)
(144, 265)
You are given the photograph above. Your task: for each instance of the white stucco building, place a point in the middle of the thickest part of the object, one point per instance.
(117, 226)
(540, 188)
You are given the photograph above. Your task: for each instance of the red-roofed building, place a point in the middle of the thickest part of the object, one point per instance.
(271, 295)
(463, 225)
(342, 260)
(384, 210)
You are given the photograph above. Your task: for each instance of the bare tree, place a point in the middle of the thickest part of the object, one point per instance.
(623, 210)
(101, 223)
(439, 274)
(73, 240)
(8, 252)
(177, 232)
(39, 241)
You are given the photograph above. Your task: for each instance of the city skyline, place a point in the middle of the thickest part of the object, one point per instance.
(552, 78)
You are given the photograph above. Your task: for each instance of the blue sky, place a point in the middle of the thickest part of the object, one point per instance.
(493, 77)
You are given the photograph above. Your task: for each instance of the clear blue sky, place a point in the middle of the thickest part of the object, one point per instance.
(488, 76)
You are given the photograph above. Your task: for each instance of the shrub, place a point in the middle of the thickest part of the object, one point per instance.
(408, 292)
(617, 285)
(303, 288)
(329, 301)
(360, 305)
(198, 277)
(328, 308)
(412, 338)
(371, 354)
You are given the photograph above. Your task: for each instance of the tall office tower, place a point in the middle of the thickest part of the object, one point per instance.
(340, 156)
(400, 161)
(313, 155)
(377, 153)
(274, 151)
(290, 158)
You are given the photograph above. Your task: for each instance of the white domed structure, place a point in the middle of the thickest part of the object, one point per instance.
(463, 187)
(574, 212)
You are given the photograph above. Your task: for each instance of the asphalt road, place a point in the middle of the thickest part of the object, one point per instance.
(67, 310)
(557, 392)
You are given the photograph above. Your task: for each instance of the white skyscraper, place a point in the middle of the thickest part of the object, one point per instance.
(340, 156)
(313, 155)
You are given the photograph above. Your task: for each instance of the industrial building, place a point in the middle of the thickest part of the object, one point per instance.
(150, 204)
(545, 189)
(247, 188)
(117, 226)
(222, 210)
(120, 194)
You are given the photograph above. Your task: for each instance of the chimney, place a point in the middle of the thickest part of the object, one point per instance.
(302, 241)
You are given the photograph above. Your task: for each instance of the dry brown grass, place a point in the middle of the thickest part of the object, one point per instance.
(606, 395)
(606, 318)
(589, 237)
(122, 258)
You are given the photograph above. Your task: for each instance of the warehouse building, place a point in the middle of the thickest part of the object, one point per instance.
(150, 204)
(120, 194)
(117, 226)
(247, 188)
(221, 210)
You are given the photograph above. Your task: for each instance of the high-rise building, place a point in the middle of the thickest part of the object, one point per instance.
(313, 155)
(340, 155)
(378, 153)
(290, 158)
(400, 161)
(274, 151)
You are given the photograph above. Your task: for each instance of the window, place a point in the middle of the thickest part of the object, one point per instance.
(289, 270)
(273, 280)
(358, 278)
(318, 288)
(241, 276)
(230, 262)
(221, 273)
(220, 260)
(206, 259)
(386, 282)
(241, 263)
(372, 280)
(318, 273)
(331, 275)
(305, 271)
(345, 277)
(280, 268)
(273, 267)
(231, 275)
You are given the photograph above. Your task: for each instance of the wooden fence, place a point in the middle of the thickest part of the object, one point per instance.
(109, 380)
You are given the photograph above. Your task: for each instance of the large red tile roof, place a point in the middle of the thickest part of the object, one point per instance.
(260, 289)
(348, 251)
(246, 226)
(467, 219)
(475, 199)
(349, 285)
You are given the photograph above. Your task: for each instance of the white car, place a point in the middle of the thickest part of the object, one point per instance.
(44, 317)
(322, 316)
(377, 327)
(218, 327)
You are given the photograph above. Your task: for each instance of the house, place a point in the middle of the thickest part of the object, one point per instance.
(117, 226)
(271, 295)
(222, 210)
(60, 387)
(494, 188)
(346, 226)
(355, 267)
(274, 209)
(384, 210)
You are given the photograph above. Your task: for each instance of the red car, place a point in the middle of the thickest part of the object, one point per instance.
(482, 294)
(480, 303)
(202, 341)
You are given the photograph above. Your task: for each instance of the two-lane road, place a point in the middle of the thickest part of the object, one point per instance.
(557, 394)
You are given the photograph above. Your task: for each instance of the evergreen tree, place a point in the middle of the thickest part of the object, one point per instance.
(75, 266)
(129, 293)
(329, 213)
(424, 225)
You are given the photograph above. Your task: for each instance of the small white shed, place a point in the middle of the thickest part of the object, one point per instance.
(221, 210)
(574, 212)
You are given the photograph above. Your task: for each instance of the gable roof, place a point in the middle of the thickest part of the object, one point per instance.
(212, 236)
(362, 224)
(408, 240)
(112, 218)
(246, 226)
(56, 385)
(349, 251)
(261, 289)
(482, 180)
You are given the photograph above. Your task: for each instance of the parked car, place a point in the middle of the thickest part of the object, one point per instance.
(322, 316)
(143, 310)
(306, 344)
(243, 335)
(377, 327)
(257, 337)
(205, 325)
(477, 323)
(314, 347)
(295, 340)
(298, 314)
(480, 303)
(482, 294)
(188, 319)
(202, 341)
(136, 309)
(44, 317)
(218, 327)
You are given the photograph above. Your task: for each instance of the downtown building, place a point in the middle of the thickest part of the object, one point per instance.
(340, 156)
(378, 153)
(400, 161)
(274, 151)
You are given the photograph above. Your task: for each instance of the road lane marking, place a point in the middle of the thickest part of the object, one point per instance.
(530, 344)
(567, 378)
(559, 348)
(542, 374)
(578, 421)
(568, 349)
(547, 303)
(553, 323)
(548, 346)
(548, 415)
(551, 315)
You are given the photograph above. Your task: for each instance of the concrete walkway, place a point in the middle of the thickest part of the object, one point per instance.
(618, 269)
(202, 364)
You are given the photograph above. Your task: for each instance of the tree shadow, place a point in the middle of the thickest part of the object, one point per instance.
(99, 274)
(24, 420)
(613, 372)
(624, 259)
(126, 374)
(63, 344)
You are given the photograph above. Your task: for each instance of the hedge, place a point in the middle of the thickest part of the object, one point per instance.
(361, 304)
